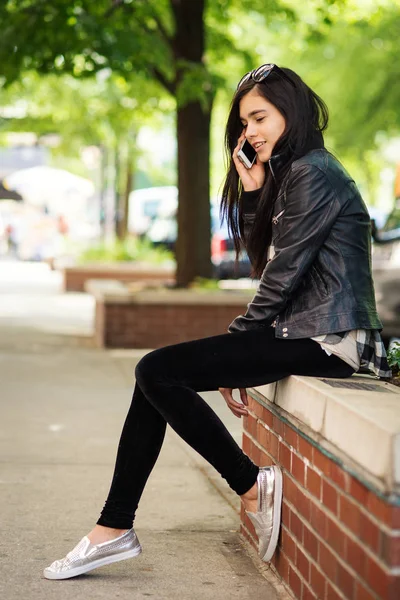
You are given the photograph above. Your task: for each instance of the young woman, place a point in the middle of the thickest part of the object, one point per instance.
(307, 232)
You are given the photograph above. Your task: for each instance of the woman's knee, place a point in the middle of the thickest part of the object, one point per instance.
(149, 367)
(143, 369)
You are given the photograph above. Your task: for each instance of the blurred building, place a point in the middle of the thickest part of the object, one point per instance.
(21, 157)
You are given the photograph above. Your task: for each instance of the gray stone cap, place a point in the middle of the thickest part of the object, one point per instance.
(115, 292)
(128, 267)
(356, 419)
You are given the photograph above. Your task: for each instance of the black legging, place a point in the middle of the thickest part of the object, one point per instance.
(167, 382)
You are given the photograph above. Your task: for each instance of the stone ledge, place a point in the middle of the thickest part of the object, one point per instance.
(75, 277)
(109, 290)
(127, 266)
(134, 316)
(116, 292)
(359, 426)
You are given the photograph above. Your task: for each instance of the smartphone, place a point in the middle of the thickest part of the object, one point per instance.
(247, 154)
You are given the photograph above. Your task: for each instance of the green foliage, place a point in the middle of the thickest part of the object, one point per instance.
(394, 358)
(196, 84)
(346, 49)
(160, 40)
(129, 250)
(113, 56)
(204, 284)
(354, 66)
(82, 37)
(105, 109)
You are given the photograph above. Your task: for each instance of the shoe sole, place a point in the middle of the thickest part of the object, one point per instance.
(277, 515)
(101, 562)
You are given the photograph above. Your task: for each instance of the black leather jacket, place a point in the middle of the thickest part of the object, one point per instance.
(319, 280)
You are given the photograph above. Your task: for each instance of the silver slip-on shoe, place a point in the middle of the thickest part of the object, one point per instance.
(87, 556)
(267, 519)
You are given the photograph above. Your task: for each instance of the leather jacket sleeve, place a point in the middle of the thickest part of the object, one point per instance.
(311, 208)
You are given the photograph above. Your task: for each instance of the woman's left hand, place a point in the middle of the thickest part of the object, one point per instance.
(238, 409)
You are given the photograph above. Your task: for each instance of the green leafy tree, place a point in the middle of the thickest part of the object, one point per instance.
(163, 40)
(106, 111)
(354, 66)
(187, 46)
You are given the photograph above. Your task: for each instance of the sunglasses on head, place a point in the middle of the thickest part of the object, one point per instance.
(261, 73)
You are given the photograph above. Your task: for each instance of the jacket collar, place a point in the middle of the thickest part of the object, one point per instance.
(283, 159)
(276, 164)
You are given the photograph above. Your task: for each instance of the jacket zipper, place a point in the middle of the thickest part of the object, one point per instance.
(275, 219)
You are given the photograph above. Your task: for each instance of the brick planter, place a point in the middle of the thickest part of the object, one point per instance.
(75, 278)
(340, 454)
(156, 318)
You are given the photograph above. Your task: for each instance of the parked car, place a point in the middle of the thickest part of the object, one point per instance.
(147, 205)
(164, 232)
(223, 254)
(378, 216)
(386, 272)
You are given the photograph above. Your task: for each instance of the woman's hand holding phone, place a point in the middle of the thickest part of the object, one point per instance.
(253, 178)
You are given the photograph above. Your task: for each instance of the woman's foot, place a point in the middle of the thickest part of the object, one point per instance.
(87, 555)
(265, 511)
(100, 534)
(250, 498)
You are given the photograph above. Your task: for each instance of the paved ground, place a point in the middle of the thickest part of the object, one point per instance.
(62, 405)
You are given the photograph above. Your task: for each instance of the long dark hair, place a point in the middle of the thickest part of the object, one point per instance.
(306, 117)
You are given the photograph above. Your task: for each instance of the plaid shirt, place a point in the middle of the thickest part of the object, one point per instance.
(370, 349)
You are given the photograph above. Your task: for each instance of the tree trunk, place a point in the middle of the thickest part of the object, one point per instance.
(103, 189)
(193, 249)
(127, 191)
(117, 192)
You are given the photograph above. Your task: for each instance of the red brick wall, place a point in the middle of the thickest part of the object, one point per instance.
(154, 326)
(339, 539)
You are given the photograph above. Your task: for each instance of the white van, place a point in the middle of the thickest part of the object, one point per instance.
(148, 204)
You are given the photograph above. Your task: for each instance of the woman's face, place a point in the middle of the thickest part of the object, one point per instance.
(263, 123)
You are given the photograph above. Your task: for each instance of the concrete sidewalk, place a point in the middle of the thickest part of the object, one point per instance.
(61, 412)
